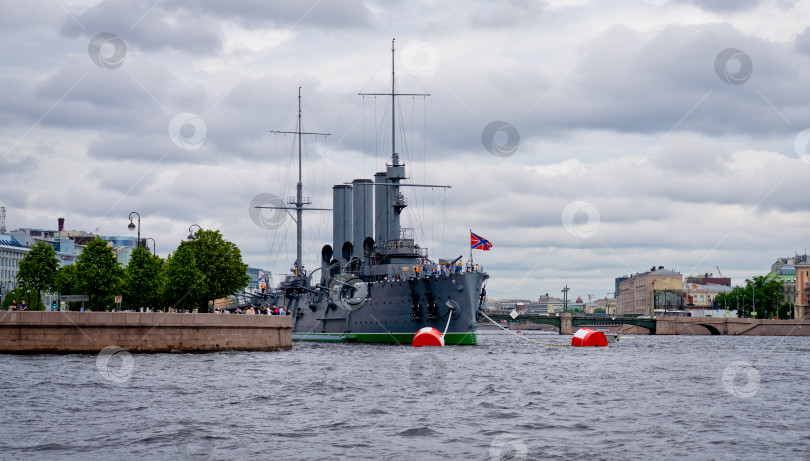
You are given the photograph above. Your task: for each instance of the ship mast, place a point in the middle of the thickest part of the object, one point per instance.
(395, 171)
(299, 200)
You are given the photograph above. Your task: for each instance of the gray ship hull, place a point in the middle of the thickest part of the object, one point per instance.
(391, 312)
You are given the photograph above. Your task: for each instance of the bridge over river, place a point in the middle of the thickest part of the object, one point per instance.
(567, 323)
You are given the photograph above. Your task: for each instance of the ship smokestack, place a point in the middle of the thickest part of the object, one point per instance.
(362, 214)
(341, 220)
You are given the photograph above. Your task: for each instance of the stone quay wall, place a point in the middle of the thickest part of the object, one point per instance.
(90, 332)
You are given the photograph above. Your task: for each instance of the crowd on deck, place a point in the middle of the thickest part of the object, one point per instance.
(446, 268)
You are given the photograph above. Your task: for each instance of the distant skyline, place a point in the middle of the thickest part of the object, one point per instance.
(585, 140)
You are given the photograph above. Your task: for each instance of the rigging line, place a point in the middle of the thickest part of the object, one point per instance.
(283, 117)
(523, 337)
(424, 144)
(376, 134)
(364, 132)
(314, 115)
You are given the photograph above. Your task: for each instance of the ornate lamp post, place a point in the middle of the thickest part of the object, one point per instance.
(190, 233)
(565, 298)
(132, 226)
(153, 245)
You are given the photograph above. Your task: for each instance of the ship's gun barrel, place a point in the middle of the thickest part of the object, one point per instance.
(453, 262)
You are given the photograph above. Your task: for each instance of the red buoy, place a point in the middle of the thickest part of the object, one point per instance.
(428, 337)
(586, 337)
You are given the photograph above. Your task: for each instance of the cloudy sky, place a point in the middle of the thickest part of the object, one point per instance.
(586, 140)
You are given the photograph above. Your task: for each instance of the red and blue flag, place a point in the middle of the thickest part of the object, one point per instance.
(479, 243)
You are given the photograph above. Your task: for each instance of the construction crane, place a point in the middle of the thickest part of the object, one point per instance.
(718, 271)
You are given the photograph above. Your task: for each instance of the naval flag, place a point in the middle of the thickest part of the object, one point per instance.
(479, 243)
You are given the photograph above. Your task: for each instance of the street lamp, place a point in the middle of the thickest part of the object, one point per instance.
(153, 245)
(132, 226)
(190, 233)
(565, 298)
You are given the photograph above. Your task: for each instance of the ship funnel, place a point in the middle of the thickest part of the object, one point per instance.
(381, 208)
(362, 214)
(341, 218)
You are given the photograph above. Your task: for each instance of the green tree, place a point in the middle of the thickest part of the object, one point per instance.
(599, 310)
(184, 281)
(760, 297)
(220, 262)
(785, 310)
(99, 274)
(37, 270)
(143, 282)
(65, 282)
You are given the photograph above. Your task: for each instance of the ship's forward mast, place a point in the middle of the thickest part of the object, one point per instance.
(299, 200)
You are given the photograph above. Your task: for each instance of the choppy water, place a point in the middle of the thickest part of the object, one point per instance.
(646, 397)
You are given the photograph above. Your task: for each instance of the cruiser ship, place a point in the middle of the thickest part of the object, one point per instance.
(375, 283)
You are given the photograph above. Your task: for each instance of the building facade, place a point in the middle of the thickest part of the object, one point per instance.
(640, 292)
(802, 290)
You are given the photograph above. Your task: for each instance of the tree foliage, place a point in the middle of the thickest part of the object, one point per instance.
(65, 282)
(184, 281)
(201, 270)
(37, 270)
(220, 263)
(143, 280)
(760, 298)
(99, 274)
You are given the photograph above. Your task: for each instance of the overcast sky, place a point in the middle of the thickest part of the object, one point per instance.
(586, 140)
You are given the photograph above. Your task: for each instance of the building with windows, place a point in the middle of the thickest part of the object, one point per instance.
(11, 252)
(802, 289)
(702, 296)
(642, 293)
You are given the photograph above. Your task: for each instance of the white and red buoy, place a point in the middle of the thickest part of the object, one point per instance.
(428, 336)
(586, 337)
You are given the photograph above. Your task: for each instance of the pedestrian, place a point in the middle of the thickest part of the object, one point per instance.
(22, 305)
(281, 311)
(13, 306)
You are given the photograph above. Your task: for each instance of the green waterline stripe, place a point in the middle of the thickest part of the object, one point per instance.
(389, 338)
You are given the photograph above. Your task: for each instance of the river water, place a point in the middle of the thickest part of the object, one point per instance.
(645, 397)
